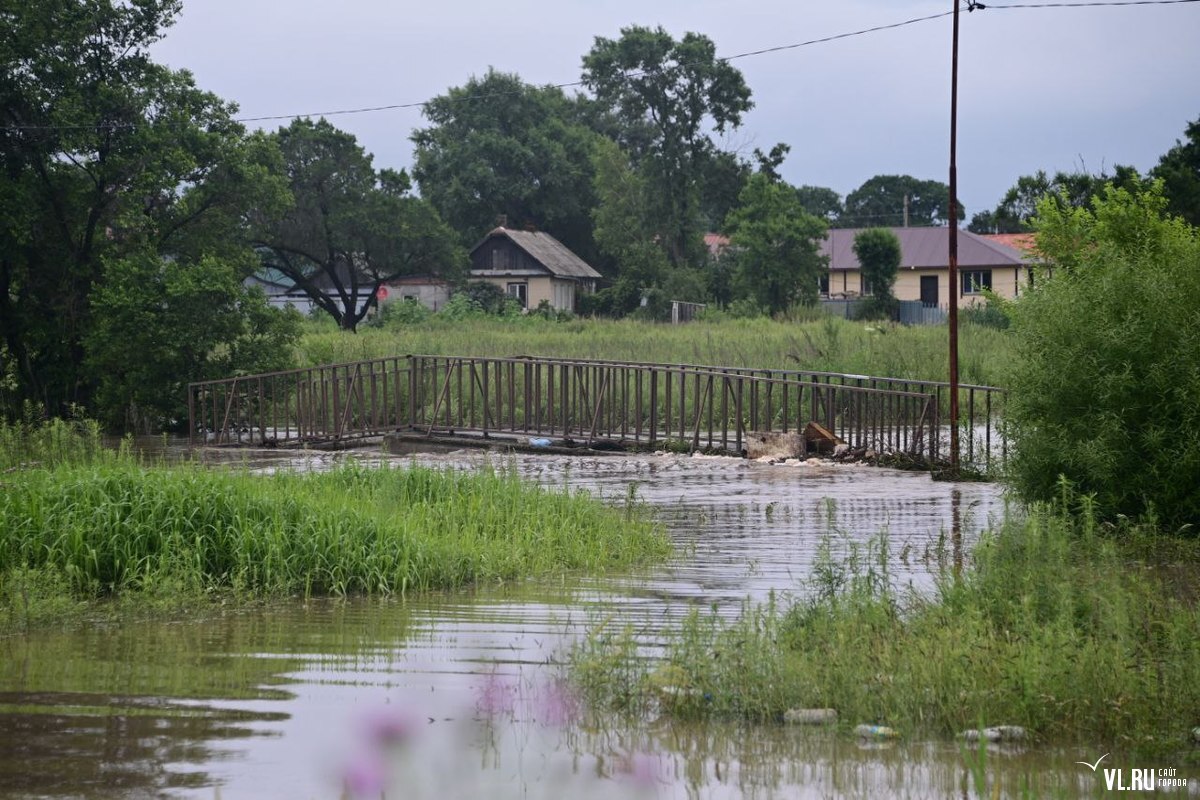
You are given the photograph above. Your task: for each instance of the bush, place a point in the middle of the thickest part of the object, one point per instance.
(400, 312)
(993, 313)
(1105, 388)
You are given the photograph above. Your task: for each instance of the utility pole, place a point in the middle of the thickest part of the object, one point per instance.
(953, 321)
(906, 209)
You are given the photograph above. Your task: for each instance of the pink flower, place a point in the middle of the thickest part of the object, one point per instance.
(391, 727)
(496, 696)
(644, 770)
(366, 777)
(558, 704)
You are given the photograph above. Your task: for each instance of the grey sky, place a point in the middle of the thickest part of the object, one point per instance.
(1039, 88)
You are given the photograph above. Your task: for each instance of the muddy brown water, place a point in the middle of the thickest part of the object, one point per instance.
(460, 694)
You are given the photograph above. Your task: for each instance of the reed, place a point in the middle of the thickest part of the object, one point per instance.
(1074, 630)
(824, 344)
(84, 531)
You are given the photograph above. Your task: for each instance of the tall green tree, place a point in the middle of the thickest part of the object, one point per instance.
(348, 229)
(1105, 390)
(1179, 170)
(880, 201)
(878, 253)
(777, 245)
(497, 145)
(624, 219)
(821, 202)
(1016, 210)
(106, 156)
(670, 97)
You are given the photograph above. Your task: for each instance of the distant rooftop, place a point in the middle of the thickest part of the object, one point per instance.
(546, 250)
(925, 248)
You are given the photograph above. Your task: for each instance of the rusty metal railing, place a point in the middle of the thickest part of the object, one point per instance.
(584, 401)
(302, 406)
(982, 441)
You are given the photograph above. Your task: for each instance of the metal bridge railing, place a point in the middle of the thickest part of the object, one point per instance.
(584, 400)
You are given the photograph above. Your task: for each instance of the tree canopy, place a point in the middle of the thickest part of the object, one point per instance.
(670, 97)
(1016, 210)
(776, 245)
(880, 202)
(497, 145)
(1179, 170)
(348, 229)
(109, 161)
(879, 255)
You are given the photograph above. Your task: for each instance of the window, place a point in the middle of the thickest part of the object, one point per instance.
(975, 281)
(520, 293)
(864, 285)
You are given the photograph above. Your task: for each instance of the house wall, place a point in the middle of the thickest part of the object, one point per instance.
(558, 292)
(1007, 282)
(499, 253)
(431, 295)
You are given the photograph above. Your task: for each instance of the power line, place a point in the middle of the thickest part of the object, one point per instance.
(634, 74)
(973, 6)
(1086, 4)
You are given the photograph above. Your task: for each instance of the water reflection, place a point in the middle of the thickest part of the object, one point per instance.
(291, 700)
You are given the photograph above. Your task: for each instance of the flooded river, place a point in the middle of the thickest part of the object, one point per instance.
(460, 694)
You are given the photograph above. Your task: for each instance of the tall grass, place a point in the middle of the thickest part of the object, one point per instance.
(80, 522)
(825, 344)
(32, 442)
(1076, 631)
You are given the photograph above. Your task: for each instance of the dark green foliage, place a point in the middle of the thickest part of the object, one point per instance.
(1105, 389)
(666, 96)
(821, 202)
(614, 301)
(880, 202)
(1179, 170)
(878, 252)
(626, 230)
(498, 145)
(489, 297)
(776, 245)
(1015, 212)
(347, 228)
(109, 157)
(158, 324)
(992, 313)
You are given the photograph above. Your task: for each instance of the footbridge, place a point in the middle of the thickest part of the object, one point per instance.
(595, 404)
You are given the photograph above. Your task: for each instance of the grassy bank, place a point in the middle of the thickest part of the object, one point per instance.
(826, 344)
(1075, 631)
(107, 526)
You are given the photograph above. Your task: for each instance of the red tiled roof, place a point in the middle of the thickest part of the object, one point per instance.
(715, 243)
(1021, 242)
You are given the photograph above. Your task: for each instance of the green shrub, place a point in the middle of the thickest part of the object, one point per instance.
(1077, 630)
(1105, 386)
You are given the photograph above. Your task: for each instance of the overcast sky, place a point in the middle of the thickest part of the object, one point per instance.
(1038, 88)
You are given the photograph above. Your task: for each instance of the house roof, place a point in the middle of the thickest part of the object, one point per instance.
(925, 248)
(546, 250)
(1021, 242)
(715, 243)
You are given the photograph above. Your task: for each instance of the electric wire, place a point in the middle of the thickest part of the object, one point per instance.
(973, 6)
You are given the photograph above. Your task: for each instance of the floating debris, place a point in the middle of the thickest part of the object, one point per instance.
(999, 733)
(810, 716)
(877, 732)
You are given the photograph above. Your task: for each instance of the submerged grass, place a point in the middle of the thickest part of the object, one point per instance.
(1077, 631)
(112, 527)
